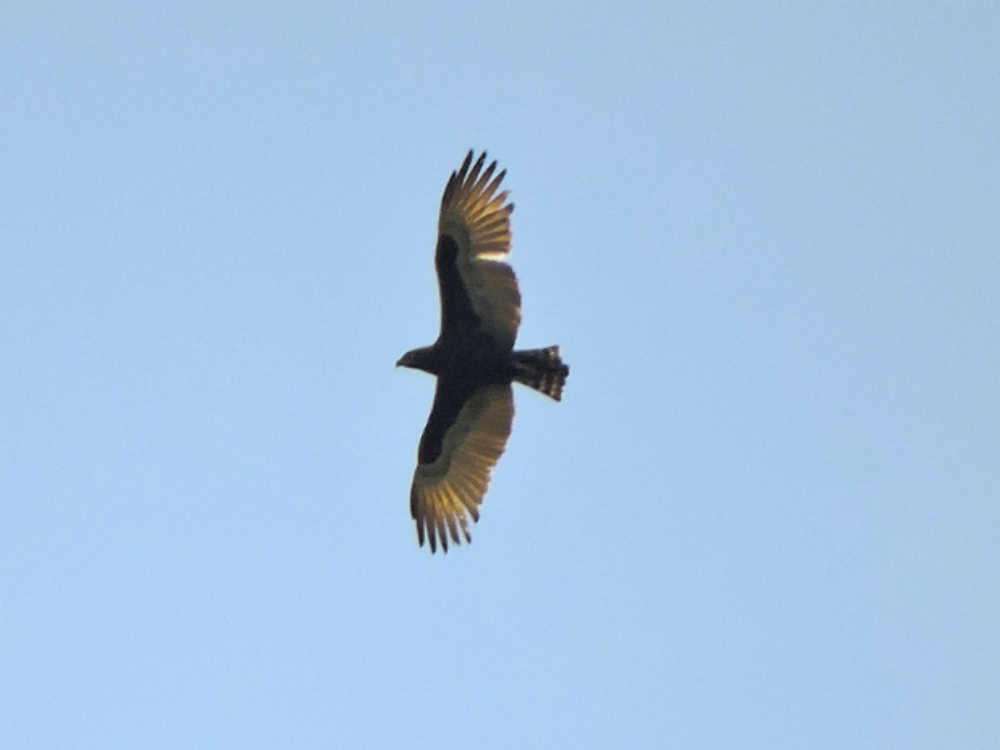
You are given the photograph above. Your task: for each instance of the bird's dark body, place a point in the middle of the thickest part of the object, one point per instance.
(464, 358)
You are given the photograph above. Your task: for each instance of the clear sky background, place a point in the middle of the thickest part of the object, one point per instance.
(767, 512)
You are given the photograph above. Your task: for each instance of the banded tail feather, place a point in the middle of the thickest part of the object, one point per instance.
(541, 369)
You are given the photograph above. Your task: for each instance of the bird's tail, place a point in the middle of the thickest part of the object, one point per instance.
(541, 369)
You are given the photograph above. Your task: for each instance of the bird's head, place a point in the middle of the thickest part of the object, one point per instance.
(418, 359)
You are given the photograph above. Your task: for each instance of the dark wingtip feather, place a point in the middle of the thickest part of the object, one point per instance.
(465, 164)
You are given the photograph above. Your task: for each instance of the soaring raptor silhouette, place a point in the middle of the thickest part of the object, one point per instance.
(473, 358)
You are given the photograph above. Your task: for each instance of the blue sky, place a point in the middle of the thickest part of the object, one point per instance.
(765, 514)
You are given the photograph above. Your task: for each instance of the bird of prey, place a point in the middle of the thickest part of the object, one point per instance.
(473, 358)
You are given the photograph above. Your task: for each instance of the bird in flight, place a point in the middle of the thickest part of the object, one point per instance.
(473, 358)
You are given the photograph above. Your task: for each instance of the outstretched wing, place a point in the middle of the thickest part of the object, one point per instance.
(464, 438)
(478, 289)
